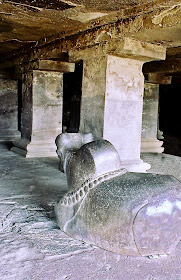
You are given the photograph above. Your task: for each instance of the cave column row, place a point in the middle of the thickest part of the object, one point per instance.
(42, 101)
(112, 95)
(149, 141)
(150, 123)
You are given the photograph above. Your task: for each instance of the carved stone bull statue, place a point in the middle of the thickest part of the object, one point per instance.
(123, 212)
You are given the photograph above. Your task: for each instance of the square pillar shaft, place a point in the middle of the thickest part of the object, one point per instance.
(41, 113)
(47, 105)
(112, 102)
(27, 105)
(123, 109)
(42, 98)
(149, 142)
(93, 95)
(112, 96)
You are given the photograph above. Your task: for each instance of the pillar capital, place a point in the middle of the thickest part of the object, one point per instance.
(159, 79)
(135, 49)
(169, 66)
(123, 47)
(46, 65)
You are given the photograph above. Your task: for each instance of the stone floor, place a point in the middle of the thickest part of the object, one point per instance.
(31, 245)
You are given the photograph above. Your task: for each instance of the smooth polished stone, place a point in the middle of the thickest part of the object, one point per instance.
(68, 143)
(126, 213)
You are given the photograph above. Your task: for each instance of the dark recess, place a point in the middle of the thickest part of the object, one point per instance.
(72, 92)
(170, 118)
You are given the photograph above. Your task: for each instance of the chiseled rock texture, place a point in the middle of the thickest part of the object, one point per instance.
(127, 213)
(8, 109)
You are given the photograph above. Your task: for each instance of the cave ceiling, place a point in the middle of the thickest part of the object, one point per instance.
(24, 23)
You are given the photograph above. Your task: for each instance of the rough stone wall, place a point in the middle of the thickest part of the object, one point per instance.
(26, 125)
(93, 95)
(8, 104)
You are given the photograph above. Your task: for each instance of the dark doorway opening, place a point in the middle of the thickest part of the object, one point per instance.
(72, 92)
(170, 118)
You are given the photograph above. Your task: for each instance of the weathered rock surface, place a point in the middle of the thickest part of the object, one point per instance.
(8, 110)
(28, 25)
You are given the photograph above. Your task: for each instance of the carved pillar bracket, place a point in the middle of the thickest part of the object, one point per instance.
(42, 97)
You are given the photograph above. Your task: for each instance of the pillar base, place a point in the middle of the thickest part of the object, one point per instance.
(34, 149)
(151, 146)
(136, 166)
(7, 135)
(160, 135)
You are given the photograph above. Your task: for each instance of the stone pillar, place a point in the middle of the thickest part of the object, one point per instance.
(93, 95)
(149, 142)
(112, 96)
(41, 113)
(8, 110)
(123, 110)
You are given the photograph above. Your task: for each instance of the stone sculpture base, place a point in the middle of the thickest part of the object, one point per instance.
(151, 146)
(7, 135)
(136, 166)
(34, 149)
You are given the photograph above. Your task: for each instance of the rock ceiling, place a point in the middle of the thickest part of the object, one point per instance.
(24, 23)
